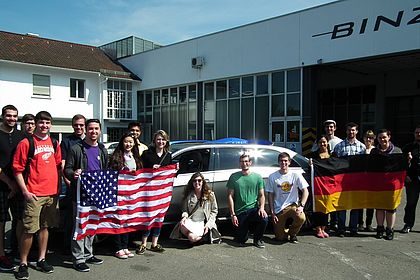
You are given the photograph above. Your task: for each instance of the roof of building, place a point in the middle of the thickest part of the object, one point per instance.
(42, 51)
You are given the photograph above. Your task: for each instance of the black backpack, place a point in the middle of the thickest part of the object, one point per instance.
(31, 153)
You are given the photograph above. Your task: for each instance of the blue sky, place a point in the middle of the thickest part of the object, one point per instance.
(96, 22)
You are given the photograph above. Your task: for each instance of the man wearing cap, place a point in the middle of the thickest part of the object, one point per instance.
(330, 127)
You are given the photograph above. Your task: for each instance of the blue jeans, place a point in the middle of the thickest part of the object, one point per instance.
(155, 232)
(354, 218)
(246, 219)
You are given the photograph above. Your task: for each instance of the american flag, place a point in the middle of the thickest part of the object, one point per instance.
(115, 202)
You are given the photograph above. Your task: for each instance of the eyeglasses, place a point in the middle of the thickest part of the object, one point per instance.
(197, 180)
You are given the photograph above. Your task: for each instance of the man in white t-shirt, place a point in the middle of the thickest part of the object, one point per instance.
(283, 197)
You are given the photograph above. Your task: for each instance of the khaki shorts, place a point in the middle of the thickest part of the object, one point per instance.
(41, 213)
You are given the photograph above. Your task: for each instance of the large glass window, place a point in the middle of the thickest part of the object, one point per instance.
(221, 119)
(247, 118)
(221, 89)
(277, 82)
(262, 117)
(41, 85)
(293, 104)
(293, 131)
(293, 80)
(248, 85)
(209, 111)
(277, 105)
(119, 100)
(234, 123)
(234, 88)
(262, 84)
(192, 112)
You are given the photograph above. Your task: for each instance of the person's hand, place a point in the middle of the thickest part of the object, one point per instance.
(77, 173)
(29, 196)
(274, 218)
(262, 213)
(310, 162)
(299, 210)
(206, 229)
(156, 166)
(177, 166)
(183, 220)
(235, 221)
(409, 156)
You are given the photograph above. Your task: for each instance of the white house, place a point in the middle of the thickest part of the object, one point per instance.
(66, 79)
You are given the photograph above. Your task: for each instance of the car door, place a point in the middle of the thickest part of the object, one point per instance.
(190, 161)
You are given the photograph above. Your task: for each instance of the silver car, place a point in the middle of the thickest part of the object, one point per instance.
(217, 162)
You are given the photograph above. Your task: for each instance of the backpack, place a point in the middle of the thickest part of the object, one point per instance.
(31, 153)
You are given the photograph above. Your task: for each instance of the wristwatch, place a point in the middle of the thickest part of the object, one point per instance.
(301, 204)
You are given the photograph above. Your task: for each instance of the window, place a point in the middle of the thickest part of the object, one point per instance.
(193, 161)
(41, 85)
(77, 88)
(248, 85)
(120, 103)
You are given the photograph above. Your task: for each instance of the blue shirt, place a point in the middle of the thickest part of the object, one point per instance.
(345, 148)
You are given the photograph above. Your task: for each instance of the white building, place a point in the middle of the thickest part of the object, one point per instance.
(351, 60)
(66, 79)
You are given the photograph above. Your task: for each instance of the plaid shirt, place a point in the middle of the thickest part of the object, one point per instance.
(344, 148)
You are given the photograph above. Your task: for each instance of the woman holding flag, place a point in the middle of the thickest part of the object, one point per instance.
(385, 147)
(156, 156)
(321, 219)
(125, 157)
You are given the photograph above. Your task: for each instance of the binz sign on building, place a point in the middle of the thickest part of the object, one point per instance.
(402, 17)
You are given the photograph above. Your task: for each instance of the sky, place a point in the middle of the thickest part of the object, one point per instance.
(97, 22)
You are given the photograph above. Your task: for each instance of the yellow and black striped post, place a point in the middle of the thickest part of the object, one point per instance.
(308, 139)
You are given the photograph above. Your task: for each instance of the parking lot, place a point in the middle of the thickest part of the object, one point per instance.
(361, 257)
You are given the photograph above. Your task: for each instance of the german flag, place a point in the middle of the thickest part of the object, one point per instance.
(358, 182)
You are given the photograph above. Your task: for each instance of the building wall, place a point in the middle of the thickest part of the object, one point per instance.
(285, 42)
(16, 87)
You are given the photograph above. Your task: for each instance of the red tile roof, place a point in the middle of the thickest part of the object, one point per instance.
(42, 51)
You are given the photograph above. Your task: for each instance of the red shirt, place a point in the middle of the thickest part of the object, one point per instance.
(43, 170)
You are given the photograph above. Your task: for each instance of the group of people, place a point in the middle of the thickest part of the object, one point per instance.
(330, 145)
(32, 165)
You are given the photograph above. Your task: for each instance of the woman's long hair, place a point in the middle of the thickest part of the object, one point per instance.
(117, 161)
(205, 190)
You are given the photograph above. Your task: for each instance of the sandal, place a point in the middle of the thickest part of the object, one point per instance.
(121, 254)
(128, 253)
(158, 248)
(141, 249)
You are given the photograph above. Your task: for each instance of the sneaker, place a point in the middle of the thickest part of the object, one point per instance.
(380, 230)
(406, 229)
(81, 267)
(94, 260)
(141, 249)
(293, 239)
(121, 255)
(389, 234)
(340, 233)
(158, 248)
(354, 233)
(369, 228)
(128, 253)
(43, 266)
(6, 264)
(259, 244)
(360, 227)
(22, 272)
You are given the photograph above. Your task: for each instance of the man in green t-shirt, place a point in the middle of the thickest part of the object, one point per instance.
(246, 202)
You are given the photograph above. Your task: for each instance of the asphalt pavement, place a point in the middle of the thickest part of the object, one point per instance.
(362, 257)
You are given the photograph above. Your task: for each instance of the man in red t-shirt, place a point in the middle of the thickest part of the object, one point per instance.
(40, 191)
